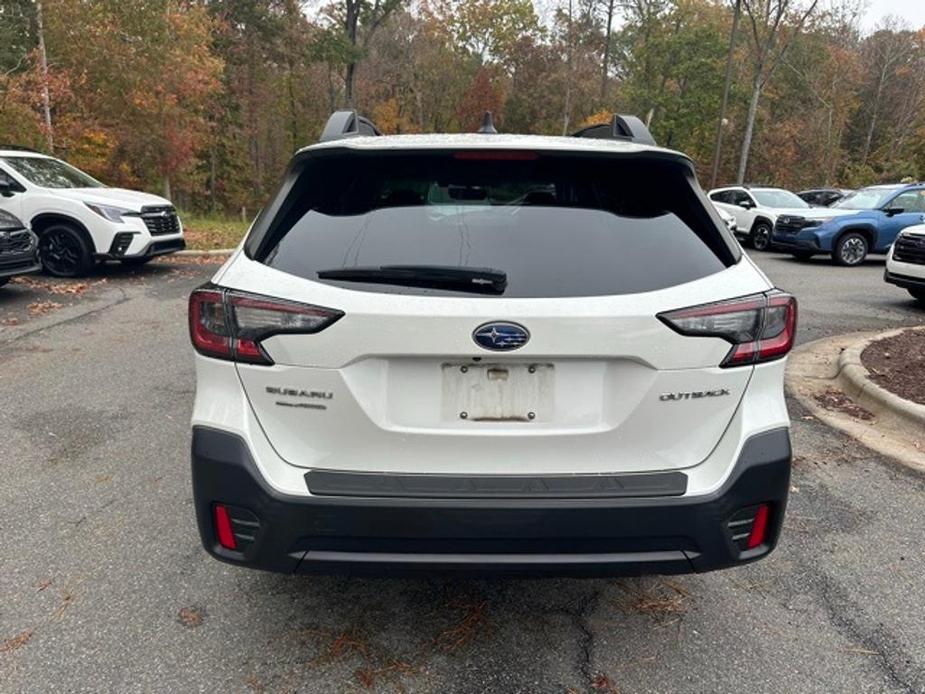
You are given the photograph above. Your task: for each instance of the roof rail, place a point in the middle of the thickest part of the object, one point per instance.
(622, 127)
(343, 124)
(19, 148)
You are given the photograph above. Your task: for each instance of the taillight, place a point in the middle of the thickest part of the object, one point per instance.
(228, 324)
(760, 327)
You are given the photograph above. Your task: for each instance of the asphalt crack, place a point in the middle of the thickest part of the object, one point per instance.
(888, 651)
(66, 321)
(581, 617)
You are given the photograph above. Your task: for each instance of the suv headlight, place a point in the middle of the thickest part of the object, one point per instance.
(810, 223)
(10, 222)
(113, 214)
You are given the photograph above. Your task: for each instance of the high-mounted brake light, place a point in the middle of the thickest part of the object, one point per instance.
(760, 327)
(496, 155)
(227, 324)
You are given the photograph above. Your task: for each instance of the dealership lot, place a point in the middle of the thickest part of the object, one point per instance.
(104, 586)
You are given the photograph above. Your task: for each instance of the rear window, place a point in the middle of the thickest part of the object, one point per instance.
(556, 226)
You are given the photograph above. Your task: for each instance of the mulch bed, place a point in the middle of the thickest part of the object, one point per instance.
(898, 364)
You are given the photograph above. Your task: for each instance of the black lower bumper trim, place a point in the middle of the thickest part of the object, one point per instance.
(904, 281)
(584, 536)
(786, 244)
(13, 269)
(153, 249)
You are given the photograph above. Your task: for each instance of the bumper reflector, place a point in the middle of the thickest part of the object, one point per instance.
(759, 527)
(223, 528)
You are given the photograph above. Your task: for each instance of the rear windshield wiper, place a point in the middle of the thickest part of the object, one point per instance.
(479, 280)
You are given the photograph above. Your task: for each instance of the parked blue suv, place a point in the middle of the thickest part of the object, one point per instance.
(866, 221)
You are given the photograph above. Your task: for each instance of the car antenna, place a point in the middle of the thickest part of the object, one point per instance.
(488, 126)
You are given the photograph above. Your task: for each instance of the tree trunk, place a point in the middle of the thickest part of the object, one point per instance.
(349, 81)
(606, 64)
(167, 191)
(567, 111)
(43, 65)
(350, 28)
(749, 126)
(868, 140)
(212, 172)
(293, 112)
(727, 85)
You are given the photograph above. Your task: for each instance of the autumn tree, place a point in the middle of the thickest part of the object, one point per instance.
(770, 37)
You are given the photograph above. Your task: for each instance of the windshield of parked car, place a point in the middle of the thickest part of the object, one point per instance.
(867, 198)
(554, 225)
(778, 198)
(50, 173)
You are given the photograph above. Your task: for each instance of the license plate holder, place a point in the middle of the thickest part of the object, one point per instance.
(498, 392)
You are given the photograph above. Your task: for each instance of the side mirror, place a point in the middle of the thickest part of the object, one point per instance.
(6, 188)
(891, 211)
(746, 204)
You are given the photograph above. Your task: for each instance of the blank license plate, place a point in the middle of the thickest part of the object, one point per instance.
(498, 392)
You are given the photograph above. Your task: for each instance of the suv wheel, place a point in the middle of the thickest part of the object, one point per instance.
(64, 252)
(851, 249)
(761, 236)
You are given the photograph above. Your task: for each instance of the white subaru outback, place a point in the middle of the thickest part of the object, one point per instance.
(79, 220)
(490, 353)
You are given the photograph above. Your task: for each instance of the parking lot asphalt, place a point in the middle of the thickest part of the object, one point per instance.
(105, 587)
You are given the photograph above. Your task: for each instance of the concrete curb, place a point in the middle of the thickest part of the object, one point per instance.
(854, 379)
(214, 251)
(814, 370)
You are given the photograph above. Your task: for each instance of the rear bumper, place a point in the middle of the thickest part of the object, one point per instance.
(387, 534)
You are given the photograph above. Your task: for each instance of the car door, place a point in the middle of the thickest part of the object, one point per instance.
(723, 200)
(904, 210)
(10, 194)
(743, 209)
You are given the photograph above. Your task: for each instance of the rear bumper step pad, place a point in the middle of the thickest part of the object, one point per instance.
(426, 486)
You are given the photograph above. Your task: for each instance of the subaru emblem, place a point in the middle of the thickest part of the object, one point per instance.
(500, 336)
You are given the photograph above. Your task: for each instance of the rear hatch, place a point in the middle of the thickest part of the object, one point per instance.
(500, 313)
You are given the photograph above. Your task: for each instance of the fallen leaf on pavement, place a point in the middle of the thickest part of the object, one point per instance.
(15, 642)
(190, 617)
(40, 308)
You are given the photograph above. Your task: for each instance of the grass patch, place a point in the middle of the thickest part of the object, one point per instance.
(208, 233)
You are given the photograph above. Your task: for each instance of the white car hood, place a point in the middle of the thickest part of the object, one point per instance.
(116, 197)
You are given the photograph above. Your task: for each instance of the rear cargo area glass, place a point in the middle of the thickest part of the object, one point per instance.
(556, 225)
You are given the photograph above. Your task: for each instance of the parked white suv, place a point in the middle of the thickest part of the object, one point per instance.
(756, 210)
(490, 352)
(79, 220)
(905, 263)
